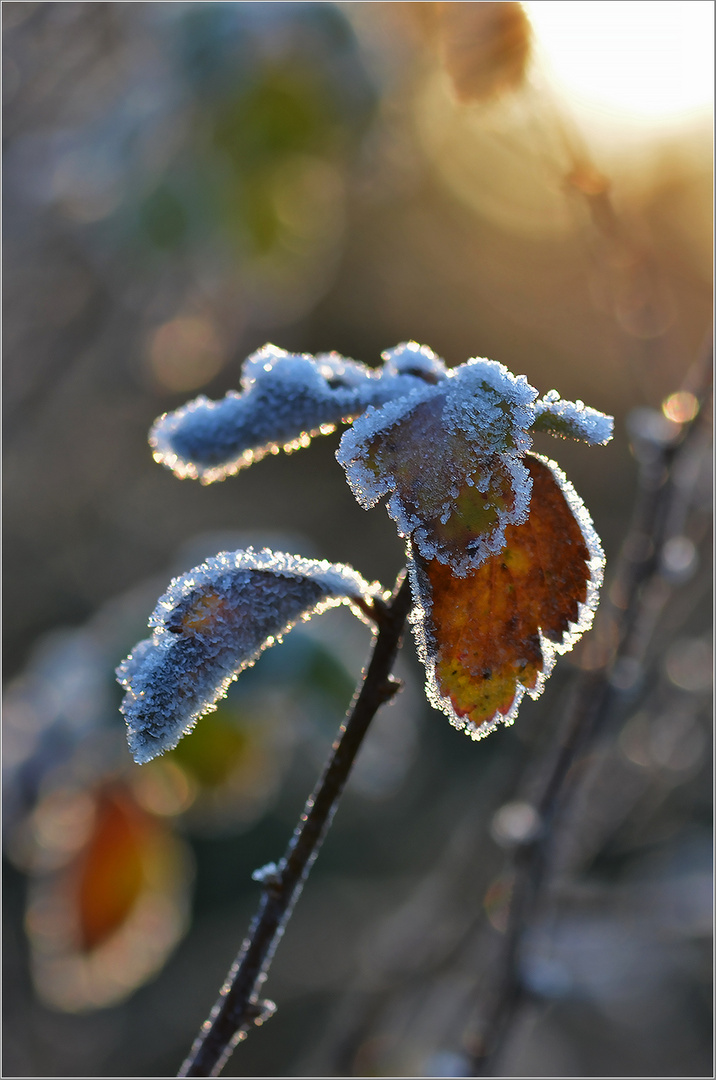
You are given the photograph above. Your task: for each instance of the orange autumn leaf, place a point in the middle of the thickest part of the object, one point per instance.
(476, 513)
(490, 636)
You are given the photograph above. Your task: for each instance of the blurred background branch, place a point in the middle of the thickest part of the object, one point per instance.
(667, 451)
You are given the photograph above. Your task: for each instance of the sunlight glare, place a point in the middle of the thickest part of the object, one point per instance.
(650, 62)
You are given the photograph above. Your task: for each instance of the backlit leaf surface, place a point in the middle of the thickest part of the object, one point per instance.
(572, 420)
(286, 399)
(490, 636)
(213, 622)
(450, 458)
(504, 578)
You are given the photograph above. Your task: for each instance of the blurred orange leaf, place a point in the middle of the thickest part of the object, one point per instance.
(105, 921)
(484, 47)
(110, 874)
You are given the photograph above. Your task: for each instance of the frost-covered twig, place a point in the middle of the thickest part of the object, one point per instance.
(662, 503)
(238, 1007)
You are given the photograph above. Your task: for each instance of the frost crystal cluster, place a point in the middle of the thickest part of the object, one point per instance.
(504, 562)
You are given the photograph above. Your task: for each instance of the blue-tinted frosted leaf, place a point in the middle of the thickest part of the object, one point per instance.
(409, 358)
(572, 420)
(470, 429)
(286, 399)
(213, 622)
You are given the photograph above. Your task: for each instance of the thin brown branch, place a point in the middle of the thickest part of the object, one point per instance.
(239, 1007)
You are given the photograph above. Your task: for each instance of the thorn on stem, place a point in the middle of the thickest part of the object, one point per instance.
(389, 688)
(258, 1012)
(270, 877)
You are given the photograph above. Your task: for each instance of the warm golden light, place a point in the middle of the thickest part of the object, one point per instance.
(648, 62)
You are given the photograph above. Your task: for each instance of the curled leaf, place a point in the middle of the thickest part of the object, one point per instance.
(572, 420)
(286, 400)
(213, 622)
(449, 456)
(488, 637)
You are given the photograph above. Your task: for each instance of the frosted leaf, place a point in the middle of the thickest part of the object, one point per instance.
(572, 420)
(467, 431)
(285, 400)
(488, 638)
(213, 622)
(409, 358)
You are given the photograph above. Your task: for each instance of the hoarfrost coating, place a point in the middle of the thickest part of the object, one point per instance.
(213, 622)
(286, 399)
(468, 430)
(446, 446)
(572, 420)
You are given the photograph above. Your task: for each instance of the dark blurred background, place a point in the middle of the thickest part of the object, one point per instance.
(183, 183)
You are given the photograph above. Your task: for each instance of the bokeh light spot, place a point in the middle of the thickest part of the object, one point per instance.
(689, 664)
(680, 407)
(185, 353)
(164, 789)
